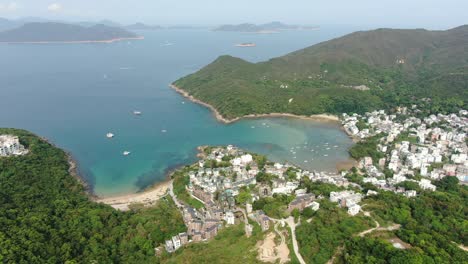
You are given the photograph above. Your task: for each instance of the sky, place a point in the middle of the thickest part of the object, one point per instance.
(434, 14)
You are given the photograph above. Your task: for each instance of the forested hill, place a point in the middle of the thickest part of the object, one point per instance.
(355, 73)
(61, 32)
(45, 216)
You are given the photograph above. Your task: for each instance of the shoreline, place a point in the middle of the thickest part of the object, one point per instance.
(222, 119)
(106, 41)
(73, 170)
(147, 197)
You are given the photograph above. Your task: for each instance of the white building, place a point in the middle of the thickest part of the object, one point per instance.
(354, 209)
(10, 145)
(176, 242)
(314, 206)
(427, 185)
(410, 193)
(246, 159)
(229, 218)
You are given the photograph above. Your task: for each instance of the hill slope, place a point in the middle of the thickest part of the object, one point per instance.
(61, 32)
(355, 73)
(45, 216)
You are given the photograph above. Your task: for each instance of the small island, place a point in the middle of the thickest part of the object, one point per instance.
(53, 32)
(272, 27)
(141, 26)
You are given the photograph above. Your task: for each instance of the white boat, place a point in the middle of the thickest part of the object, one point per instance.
(109, 135)
(126, 153)
(136, 112)
(164, 131)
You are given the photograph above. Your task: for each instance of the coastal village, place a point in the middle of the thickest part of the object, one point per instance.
(411, 148)
(228, 181)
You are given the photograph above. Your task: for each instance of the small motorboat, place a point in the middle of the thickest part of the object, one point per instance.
(137, 113)
(109, 135)
(126, 153)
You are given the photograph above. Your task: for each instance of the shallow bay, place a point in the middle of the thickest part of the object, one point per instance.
(75, 94)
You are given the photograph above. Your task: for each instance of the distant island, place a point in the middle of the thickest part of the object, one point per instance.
(359, 72)
(271, 27)
(141, 26)
(55, 32)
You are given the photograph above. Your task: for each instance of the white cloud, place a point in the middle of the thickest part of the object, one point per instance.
(10, 7)
(55, 7)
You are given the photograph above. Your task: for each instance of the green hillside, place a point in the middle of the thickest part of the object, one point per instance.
(45, 216)
(358, 72)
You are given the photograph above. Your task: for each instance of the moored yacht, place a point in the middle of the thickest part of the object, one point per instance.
(109, 135)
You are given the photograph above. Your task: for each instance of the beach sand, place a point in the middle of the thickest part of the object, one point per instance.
(146, 198)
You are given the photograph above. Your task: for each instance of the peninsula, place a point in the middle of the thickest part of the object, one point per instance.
(359, 72)
(53, 32)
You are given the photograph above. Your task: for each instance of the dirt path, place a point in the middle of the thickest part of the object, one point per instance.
(268, 251)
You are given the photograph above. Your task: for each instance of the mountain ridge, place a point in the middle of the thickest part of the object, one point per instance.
(394, 64)
(63, 32)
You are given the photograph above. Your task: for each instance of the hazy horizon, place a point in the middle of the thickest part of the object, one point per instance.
(367, 13)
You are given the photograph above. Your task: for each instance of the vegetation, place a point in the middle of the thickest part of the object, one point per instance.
(244, 196)
(355, 73)
(229, 246)
(46, 217)
(319, 188)
(367, 148)
(329, 228)
(275, 206)
(180, 180)
(433, 223)
(264, 177)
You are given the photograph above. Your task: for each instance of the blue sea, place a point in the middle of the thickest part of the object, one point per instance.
(73, 94)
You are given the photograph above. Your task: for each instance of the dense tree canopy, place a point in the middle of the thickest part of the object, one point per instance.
(46, 217)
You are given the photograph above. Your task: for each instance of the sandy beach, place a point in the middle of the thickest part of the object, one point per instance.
(107, 41)
(219, 117)
(147, 197)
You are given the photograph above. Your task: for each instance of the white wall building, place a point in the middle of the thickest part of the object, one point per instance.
(10, 145)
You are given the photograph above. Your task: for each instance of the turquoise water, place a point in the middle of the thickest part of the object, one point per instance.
(75, 94)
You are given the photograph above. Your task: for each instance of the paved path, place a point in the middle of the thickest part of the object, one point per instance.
(171, 193)
(246, 220)
(292, 225)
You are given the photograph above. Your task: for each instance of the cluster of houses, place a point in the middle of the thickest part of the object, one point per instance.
(414, 149)
(347, 199)
(430, 147)
(10, 146)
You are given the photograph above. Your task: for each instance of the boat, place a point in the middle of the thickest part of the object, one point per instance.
(136, 112)
(109, 135)
(246, 45)
(164, 131)
(126, 153)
